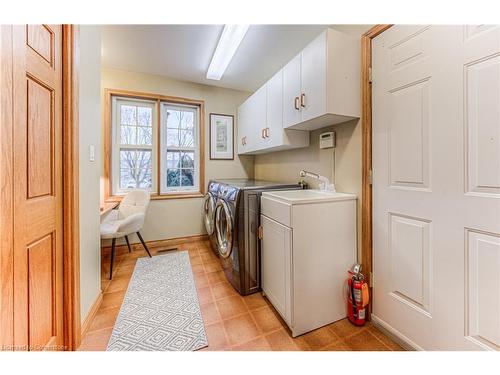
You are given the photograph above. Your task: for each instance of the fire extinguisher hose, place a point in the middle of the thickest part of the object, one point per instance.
(354, 307)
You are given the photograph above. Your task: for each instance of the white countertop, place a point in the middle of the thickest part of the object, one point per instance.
(307, 196)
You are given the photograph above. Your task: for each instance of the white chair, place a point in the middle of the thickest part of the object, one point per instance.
(127, 219)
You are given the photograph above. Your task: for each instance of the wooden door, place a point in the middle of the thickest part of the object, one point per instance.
(291, 92)
(276, 250)
(313, 79)
(37, 203)
(436, 185)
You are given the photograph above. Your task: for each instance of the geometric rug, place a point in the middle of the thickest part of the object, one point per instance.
(160, 311)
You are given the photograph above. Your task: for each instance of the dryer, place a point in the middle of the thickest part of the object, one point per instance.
(209, 203)
(236, 221)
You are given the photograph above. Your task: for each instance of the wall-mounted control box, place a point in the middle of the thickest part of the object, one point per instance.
(327, 140)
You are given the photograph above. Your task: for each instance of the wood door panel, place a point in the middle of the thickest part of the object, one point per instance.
(41, 39)
(40, 147)
(41, 279)
(38, 260)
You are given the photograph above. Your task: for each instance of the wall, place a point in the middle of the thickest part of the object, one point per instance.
(285, 165)
(182, 217)
(89, 134)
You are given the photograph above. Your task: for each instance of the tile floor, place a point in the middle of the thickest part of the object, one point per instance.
(232, 322)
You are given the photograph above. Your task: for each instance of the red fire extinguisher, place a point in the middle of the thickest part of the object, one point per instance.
(357, 296)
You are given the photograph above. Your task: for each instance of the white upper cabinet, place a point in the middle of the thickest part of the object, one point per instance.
(325, 79)
(313, 79)
(317, 88)
(291, 92)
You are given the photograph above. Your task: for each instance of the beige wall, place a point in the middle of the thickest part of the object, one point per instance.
(89, 134)
(182, 217)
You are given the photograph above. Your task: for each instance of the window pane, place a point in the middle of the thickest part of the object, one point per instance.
(178, 118)
(187, 160)
(135, 169)
(145, 116)
(128, 135)
(173, 177)
(173, 137)
(173, 159)
(128, 115)
(186, 138)
(145, 136)
(187, 177)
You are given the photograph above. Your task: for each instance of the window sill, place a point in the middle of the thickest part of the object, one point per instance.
(157, 197)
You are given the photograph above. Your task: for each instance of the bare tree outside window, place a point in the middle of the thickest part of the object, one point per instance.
(136, 139)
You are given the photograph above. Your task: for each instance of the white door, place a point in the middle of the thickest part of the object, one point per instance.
(436, 185)
(276, 265)
(291, 92)
(274, 132)
(313, 78)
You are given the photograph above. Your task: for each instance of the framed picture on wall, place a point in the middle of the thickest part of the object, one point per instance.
(221, 137)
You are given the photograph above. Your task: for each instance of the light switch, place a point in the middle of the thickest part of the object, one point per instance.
(92, 153)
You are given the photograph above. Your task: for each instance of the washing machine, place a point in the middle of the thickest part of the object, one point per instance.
(236, 221)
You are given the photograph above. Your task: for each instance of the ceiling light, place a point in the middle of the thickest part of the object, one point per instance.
(231, 37)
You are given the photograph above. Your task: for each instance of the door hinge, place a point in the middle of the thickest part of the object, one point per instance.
(370, 176)
(370, 75)
(370, 280)
(260, 232)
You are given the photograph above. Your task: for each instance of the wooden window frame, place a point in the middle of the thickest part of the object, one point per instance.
(366, 130)
(108, 152)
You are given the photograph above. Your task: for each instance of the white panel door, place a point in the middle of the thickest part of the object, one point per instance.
(276, 249)
(275, 110)
(313, 76)
(436, 185)
(291, 92)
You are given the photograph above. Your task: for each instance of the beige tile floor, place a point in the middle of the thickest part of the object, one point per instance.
(232, 322)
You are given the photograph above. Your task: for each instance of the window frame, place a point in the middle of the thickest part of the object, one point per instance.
(110, 173)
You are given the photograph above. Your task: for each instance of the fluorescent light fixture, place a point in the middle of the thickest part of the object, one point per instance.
(230, 40)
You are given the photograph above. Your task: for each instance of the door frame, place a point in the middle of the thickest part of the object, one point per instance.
(366, 156)
(70, 170)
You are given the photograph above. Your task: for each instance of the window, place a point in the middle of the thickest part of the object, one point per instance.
(166, 160)
(179, 148)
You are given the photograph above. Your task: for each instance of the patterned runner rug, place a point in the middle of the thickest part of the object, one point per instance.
(160, 311)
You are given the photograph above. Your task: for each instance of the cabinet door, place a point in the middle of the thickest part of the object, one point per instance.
(313, 75)
(242, 127)
(258, 119)
(291, 91)
(276, 265)
(274, 134)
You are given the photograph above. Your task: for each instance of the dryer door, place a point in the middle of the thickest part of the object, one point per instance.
(209, 213)
(224, 228)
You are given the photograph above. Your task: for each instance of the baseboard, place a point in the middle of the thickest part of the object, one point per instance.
(155, 243)
(395, 335)
(90, 316)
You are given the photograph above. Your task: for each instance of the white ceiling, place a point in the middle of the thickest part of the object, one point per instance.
(184, 51)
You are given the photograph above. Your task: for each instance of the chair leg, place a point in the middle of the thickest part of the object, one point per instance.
(143, 243)
(128, 244)
(112, 258)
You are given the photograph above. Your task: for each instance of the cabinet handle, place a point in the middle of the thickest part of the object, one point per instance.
(243, 141)
(267, 133)
(263, 133)
(245, 138)
(303, 100)
(296, 102)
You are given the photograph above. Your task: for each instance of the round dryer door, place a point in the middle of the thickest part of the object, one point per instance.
(224, 228)
(209, 213)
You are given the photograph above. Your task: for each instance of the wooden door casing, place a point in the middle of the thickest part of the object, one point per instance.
(37, 198)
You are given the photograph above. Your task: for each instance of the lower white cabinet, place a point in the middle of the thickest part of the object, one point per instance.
(307, 246)
(276, 265)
